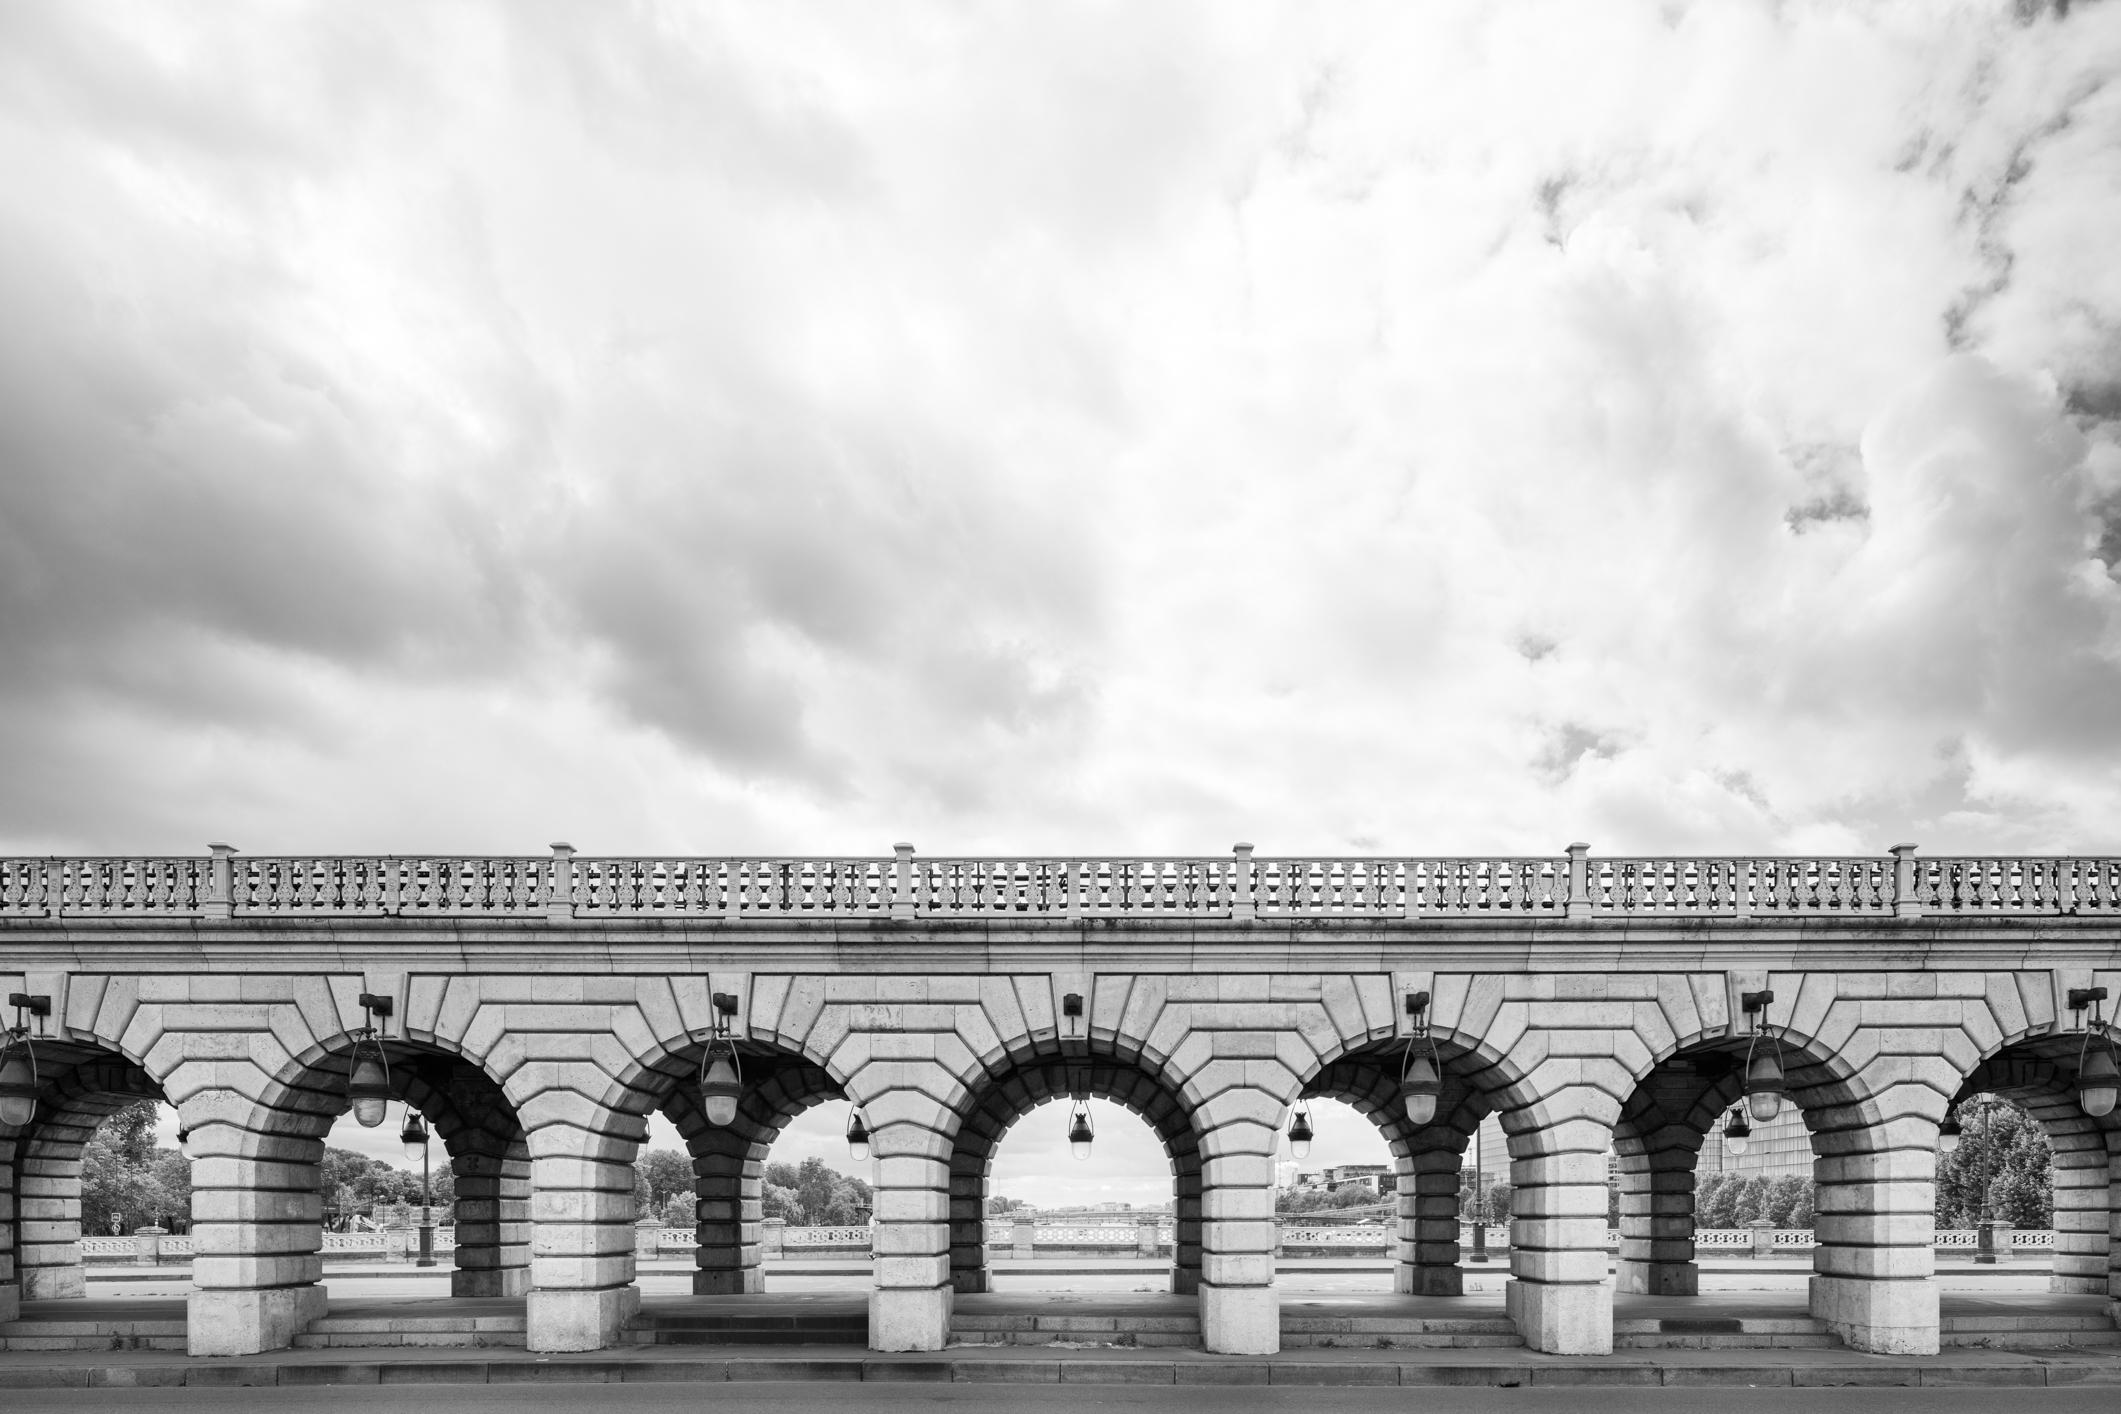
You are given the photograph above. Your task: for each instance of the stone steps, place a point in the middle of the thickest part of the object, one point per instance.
(697, 1328)
(1335, 1332)
(1725, 1333)
(93, 1335)
(1055, 1328)
(458, 1331)
(2028, 1332)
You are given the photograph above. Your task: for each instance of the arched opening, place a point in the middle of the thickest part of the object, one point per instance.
(1035, 1083)
(1992, 1173)
(41, 1179)
(729, 1160)
(1429, 1158)
(1336, 1202)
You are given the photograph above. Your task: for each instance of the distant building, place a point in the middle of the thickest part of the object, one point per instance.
(1781, 1146)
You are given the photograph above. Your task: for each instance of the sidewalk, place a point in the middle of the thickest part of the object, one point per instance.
(1051, 1365)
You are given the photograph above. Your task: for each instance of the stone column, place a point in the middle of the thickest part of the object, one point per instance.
(10, 1286)
(1428, 1214)
(647, 1240)
(968, 1222)
(1656, 1215)
(257, 1232)
(1240, 1311)
(773, 1238)
(2083, 1212)
(1186, 1226)
(1558, 1294)
(48, 1225)
(727, 1214)
(581, 1234)
(1874, 1268)
(493, 1222)
(1023, 1239)
(1147, 1242)
(909, 1307)
(147, 1245)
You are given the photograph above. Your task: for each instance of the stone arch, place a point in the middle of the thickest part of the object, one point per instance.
(2038, 1074)
(728, 1160)
(1035, 1076)
(1666, 1120)
(81, 1085)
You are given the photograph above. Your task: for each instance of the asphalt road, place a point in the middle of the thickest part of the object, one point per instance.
(1165, 1399)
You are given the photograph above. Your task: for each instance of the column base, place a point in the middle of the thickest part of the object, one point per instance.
(1562, 1318)
(1638, 1278)
(728, 1281)
(54, 1283)
(490, 1281)
(909, 1318)
(1185, 1281)
(561, 1320)
(249, 1322)
(10, 1301)
(970, 1281)
(1410, 1279)
(1240, 1320)
(1882, 1317)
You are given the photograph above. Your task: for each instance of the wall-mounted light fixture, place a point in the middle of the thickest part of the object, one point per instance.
(18, 1059)
(1080, 1131)
(1300, 1133)
(1764, 1081)
(368, 1069)
(857, 1137)
(1072, 1009)
(1948, 1132)
(1421, 1074)
(2098, 1064)
(721, 1072)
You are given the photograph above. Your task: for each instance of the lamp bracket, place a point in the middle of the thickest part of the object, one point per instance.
(1751, 1002)
(377, 1004)
(2082, 997)
(38, 1004)
(724, 1009)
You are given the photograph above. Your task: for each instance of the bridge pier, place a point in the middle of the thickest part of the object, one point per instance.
(582, 1289)
(257, 1226)
(1558, 1294)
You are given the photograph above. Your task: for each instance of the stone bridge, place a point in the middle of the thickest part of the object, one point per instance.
(536, 1010)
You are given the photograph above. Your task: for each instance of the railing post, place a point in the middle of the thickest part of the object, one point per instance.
(219, 901)
(1579, 902)
(902, 897)
(1906, 904)
(559, 894)
(1243, 901)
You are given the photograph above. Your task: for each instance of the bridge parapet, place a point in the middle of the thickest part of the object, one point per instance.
(1238, 886)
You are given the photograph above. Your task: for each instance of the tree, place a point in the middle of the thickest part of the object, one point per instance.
(661, 1175)
(2002, 1169)
(120, 1187)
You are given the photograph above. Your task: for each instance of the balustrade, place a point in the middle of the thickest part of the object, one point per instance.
(1236, 887)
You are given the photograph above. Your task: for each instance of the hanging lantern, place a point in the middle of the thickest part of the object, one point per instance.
(1080, 1132)
(413, 1137)
(857, 1137)
(1737, 1134)
(368, 1086)
(2099, 1080)
(1421, 1077)
(18, 1084)
(1300, 1134)
(720, 1083)
(1764, 1081)
(1948, 1133)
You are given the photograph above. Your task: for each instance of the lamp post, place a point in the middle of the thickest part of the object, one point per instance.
(1480, 1199)
(414, 1139)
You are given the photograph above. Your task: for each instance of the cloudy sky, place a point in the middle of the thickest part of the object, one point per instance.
(795, 428)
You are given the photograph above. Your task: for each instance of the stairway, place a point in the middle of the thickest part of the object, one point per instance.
(2039, 1330)
(1072, 1328)
(1747, 1332)
(442, 1329)
(681, 1327)
(96, 1323)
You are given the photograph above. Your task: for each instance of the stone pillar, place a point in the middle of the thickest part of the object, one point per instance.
(1763, 1239)
(2003, 1241)
(1186, 1225)
(48, 1225)
(1558, 1295)
(257, 1233)
(647, 1240)
(1657, 1256)
(909, 1307)
(773, 1237)
(401, 1240)
(1428, 1215)
(493, 1222)
(2082, 1212)
(968, 1221)
(10, 1287)
(581, 1234)
(147, 1245)
(1873, 1270)
(1240, 1311)
(1023, 1239)
(1147, 1241)
(726, 1214)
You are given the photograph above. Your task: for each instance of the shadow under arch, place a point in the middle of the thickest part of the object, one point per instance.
(1053, 1070)
(81, 1083)
(1429, 1157)
(728, 1161)
(464, 1107)
(1665, 1124)
(2039, 1075)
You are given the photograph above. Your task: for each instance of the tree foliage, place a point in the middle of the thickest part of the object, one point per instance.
(2003, 1169)
(810, 1194)
(126, 1182)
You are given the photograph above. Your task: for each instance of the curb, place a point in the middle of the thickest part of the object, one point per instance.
(1092, 1371)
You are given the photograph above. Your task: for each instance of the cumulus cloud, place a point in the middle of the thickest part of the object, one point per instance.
(1455, 428)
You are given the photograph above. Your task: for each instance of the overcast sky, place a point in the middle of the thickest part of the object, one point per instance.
(796, 428)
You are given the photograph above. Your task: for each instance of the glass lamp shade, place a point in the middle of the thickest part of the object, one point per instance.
(1079, 1133)
(18, 1091)
(719, 1089)
(857, 1138)
(413, 1137)
(1737, 1134)
(1736, 1143)
(1763, 1086)
(2099, 1082)
(1420, 1088)
(1948, 1134)
(1300, 1135)
(369, 1090)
